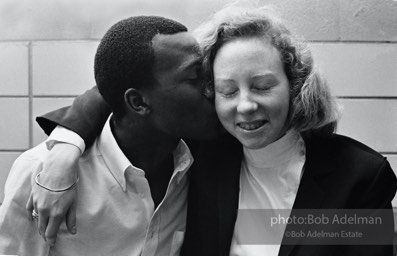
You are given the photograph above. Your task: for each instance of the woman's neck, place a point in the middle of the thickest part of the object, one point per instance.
(277, 152)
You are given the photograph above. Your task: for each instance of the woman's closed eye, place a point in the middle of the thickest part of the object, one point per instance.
(226, 91)
(264, 85)
(261, 89)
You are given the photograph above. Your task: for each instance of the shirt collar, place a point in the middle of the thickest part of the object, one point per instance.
(118, 163)
(114, 158)
(183, 159)
(278, 152)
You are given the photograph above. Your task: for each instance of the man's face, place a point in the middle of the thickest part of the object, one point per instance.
(178, 105)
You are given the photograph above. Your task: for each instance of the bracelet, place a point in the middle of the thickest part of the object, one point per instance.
(36, 179)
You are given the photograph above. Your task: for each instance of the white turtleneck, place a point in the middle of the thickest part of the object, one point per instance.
(269, 179)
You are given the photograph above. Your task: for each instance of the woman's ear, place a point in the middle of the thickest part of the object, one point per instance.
(136, 102)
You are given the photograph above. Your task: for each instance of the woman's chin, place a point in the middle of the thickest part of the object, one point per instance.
(253, 143)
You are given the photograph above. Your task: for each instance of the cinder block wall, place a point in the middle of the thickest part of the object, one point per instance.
(47, 49)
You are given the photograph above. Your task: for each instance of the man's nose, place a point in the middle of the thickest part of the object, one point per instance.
(246, 104)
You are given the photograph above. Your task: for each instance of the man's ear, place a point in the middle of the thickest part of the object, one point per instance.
(136, 101)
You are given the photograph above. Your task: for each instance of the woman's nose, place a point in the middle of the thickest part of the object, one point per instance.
(246, 105)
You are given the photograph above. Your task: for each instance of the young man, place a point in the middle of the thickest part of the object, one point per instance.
(134, 178)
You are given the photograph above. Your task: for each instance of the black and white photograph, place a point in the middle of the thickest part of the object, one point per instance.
(198, 127)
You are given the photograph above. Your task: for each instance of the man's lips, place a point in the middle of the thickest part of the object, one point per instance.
(252, 125)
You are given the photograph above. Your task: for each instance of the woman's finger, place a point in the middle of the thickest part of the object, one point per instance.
(71, 218)
(42, 223)
(52, 228)
(29, 207)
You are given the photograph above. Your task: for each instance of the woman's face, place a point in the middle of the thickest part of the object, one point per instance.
(251, 91)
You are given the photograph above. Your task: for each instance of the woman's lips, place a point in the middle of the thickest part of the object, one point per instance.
(251, 126)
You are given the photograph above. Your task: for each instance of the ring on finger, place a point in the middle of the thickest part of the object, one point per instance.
(35, 215)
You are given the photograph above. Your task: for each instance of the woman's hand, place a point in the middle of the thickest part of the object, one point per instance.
(59, 171)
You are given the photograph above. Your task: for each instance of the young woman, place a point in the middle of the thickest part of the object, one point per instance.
(281, 151)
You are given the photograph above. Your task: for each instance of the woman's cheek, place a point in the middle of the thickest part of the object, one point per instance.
(221, 107)
(224, 110)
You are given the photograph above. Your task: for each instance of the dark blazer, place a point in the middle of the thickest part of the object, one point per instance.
(86, 116)
(339, 173)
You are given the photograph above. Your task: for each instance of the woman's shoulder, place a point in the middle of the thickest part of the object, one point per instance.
(341, 160)
(344, 147)
(346, 158)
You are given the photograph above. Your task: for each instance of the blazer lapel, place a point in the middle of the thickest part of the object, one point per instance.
(310, 194)
(228, 191)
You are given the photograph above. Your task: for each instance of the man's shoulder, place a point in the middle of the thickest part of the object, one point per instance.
(23, 171)
(33, 155)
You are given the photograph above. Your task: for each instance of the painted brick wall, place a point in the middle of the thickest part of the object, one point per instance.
(47, 49)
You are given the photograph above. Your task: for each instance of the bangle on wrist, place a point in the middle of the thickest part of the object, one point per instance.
(36, 179)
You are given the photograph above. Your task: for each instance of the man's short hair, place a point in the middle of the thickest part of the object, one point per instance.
(125, 57)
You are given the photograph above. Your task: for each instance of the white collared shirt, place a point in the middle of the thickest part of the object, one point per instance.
(269, 179)
(115, 210)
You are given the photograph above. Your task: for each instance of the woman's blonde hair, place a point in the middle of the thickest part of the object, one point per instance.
(312, 106)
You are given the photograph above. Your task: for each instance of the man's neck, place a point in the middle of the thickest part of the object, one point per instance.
(146, 149)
